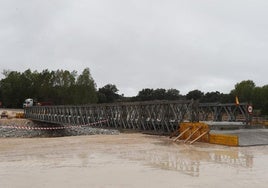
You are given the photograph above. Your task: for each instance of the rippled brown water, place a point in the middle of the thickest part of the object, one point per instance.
(128, 160)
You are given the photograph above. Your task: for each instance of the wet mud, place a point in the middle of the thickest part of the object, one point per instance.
(128, 160)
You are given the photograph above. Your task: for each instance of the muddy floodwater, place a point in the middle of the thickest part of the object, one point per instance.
(128, 160)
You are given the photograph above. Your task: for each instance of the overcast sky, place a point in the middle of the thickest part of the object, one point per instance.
(182, 44)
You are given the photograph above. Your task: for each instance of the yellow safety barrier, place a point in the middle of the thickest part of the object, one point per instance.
(19, 115)
(228, 140)
(192, 132)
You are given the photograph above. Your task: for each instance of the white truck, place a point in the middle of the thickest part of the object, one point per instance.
(28, 103)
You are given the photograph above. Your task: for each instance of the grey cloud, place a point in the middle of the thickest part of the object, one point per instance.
(183, 44)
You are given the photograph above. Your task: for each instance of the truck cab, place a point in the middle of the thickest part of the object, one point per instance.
(28, 103)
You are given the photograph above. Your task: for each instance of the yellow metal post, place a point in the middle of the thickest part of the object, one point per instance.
(203, 134)
(181, 134)
(195, 131)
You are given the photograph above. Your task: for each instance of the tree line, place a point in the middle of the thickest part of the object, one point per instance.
(58, 87)
(62, 87)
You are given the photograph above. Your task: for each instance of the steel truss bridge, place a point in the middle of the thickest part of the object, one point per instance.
(154, 116)
(224, 112)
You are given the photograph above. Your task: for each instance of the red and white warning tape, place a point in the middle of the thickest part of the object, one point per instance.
(54, 128)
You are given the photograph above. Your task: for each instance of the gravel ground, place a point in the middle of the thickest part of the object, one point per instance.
(17, 128)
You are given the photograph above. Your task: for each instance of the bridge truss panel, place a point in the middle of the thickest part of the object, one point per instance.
(154, 116)
(224, 112)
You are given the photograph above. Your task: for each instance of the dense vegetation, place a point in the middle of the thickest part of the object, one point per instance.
(58, 87)
(63, 87)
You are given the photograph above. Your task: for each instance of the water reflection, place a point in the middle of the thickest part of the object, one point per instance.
(190, 160)
(187, 159)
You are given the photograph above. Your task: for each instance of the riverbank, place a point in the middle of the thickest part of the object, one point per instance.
(12, 127)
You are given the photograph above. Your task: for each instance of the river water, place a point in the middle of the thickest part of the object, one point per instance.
(128, 160)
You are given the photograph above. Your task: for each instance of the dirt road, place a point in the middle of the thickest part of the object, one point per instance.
(128, 160)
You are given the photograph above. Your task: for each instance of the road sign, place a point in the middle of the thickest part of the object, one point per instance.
(250, 109)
